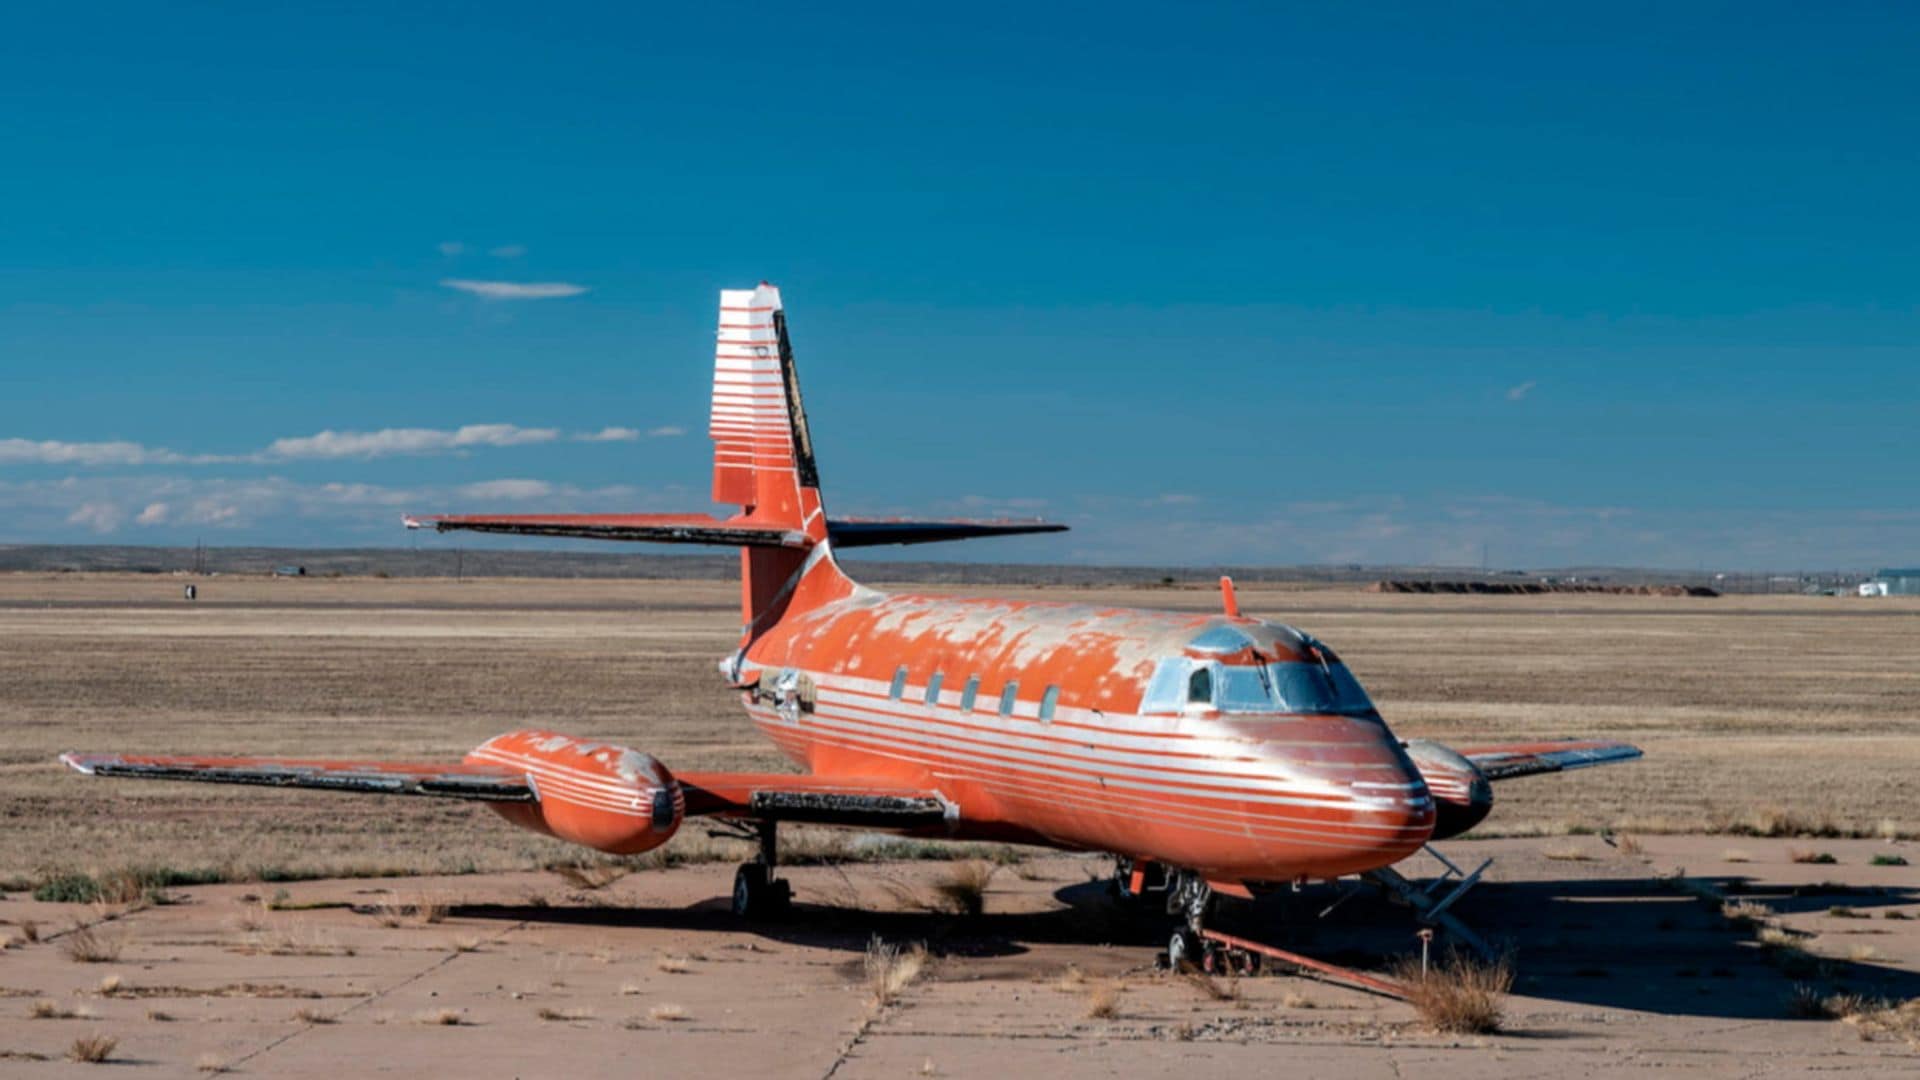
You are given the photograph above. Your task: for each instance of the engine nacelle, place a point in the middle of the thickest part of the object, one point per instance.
(596, 794)
(1462, 798)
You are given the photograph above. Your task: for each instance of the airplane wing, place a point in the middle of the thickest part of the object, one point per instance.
(1529, 759)
(874, 804)
(760, 796)
(485, 783)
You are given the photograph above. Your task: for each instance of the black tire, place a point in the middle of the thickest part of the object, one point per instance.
(758, 895)
(1184, 947)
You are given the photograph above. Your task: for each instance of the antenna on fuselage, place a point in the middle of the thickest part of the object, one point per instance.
(1228, 600)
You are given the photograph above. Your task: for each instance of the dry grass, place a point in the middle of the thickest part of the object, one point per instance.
(1746, 912)
(667, 1012)
(1809, 855)
(441, 1017)
(1884, 1019)
(891, 969)
(1567, 854)
(86, 944)
(1459, 996)
(1629, 845)
(962, 888)
(92, 1049)
(49, 1009)
(1103, 999)
(590, 877)
(160, 1016)
(309, 1015)
(211, 1063)
(1294, 999)
(672, 965)
(1735, 855)
(546, 1012)
(29, 931)
(111, 985)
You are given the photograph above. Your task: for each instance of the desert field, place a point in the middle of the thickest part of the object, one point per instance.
(1750, 908)
(1767, 714)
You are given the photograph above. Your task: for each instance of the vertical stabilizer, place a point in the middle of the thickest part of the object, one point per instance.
(762, 451)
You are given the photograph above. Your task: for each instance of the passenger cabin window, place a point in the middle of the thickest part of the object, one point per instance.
(1007, 695)
(1048, 701)
(899, 686)
(933, 688)
(967, 695)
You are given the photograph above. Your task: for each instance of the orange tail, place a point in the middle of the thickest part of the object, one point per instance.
(763, 458)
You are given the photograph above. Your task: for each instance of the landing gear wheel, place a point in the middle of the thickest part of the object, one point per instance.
(758, 895)
(1185, 947)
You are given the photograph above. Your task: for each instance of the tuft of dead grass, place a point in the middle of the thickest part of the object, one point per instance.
(1567, 854)
(309, 1015)
(86, 944)
(1809, 855)
(211, 1063)
(1461, 995)
(962, 889)
(546, 1012)
(1735, 855)
(667, 1012)
(49, 1009)
(1629, 845)
(1745, 912)
(891, 969)
(92, 1049)
(441, 1017)
(672, 965)
(1103, 999)
(589, 877)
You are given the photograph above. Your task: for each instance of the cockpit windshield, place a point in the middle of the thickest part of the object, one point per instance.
(1290, 686)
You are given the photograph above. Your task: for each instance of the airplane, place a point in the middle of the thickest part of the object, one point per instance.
(1210, 754)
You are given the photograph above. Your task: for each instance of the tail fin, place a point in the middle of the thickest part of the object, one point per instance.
(762, 452)
(763, 457)
(762, 463)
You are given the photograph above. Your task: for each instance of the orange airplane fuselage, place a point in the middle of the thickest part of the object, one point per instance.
(1237, 748)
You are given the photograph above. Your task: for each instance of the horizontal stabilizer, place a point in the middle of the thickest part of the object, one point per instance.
(652, 528)
(1529, 759)
(478, 782)
(731, 532)
(867, 532)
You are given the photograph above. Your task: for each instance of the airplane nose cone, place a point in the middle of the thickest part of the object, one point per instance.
(1384, 810)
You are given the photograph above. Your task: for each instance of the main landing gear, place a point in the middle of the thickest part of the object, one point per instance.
(757, 894)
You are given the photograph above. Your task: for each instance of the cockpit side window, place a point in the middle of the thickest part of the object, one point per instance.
(1200, 685)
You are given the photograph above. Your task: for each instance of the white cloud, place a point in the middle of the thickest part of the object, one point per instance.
(101, 517)
(389, 441)
(608, 434)
(154, 514)
(452, 248)
(1520, 392)
(507, 489)
(515, 290)
(508, 251)
(55, 452)
(666, 431)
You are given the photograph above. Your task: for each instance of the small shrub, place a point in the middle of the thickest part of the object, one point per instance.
(442, 1017)
(67, 889)
(92, 1049)
(668, 1012)
(1103, 999)
(672, 965)
(1746, 912)
(1629, 845)
(564, 1015)
(1884, 859)
(1460, 996)
(1842, 911)
(1735, 855)
(1808, 855)
(963, 888)
(88, 945)
(307, 1015)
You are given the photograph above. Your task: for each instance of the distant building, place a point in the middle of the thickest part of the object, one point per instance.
(1898, 582)
(289, 571)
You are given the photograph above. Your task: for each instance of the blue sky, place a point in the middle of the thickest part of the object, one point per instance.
(1261, 284)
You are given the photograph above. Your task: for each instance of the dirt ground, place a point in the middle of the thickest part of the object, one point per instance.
(1755, 713)
(1621, 971)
